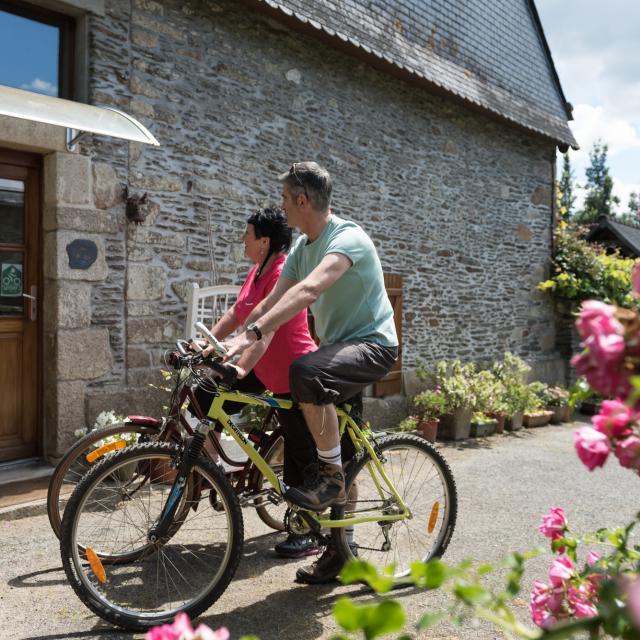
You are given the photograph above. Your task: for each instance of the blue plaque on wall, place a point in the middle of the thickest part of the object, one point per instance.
(82, 253)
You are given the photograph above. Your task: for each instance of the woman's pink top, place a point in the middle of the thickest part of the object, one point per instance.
(289, 342)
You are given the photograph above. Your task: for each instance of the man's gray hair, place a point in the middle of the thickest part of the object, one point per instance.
(312, 180)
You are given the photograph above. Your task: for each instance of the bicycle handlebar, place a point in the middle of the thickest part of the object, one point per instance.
(218, 347)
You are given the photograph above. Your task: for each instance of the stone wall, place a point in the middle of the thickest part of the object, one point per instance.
(456, 202)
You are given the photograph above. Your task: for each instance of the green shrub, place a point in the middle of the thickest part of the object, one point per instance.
(583, 271)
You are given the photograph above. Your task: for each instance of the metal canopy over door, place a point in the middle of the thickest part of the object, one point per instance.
(19, 280)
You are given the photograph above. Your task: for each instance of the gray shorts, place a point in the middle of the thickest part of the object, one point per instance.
(337, 372)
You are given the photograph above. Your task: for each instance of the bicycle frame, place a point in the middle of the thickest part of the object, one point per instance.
(345, 421)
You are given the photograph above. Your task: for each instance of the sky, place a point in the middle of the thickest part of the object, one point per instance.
(596, 50)
(35, 69)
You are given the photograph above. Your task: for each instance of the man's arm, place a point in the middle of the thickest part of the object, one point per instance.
(282, 286)
(292, 300)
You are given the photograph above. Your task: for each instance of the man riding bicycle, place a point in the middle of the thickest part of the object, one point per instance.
(334, 269)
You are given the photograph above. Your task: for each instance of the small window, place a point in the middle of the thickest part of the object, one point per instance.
(39, 45)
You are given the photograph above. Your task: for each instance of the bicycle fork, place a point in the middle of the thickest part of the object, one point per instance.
(191, 454)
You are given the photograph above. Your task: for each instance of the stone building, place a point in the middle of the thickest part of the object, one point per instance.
(439, 121)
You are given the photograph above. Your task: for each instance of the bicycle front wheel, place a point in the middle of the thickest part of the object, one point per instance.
(74, 464)
(110, 515)
(423, 480)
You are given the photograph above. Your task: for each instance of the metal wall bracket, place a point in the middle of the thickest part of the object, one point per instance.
(73, 137)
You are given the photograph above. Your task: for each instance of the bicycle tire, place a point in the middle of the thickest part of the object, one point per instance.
(73, 465)
(112, 594)
(271, 514)
(424, 481)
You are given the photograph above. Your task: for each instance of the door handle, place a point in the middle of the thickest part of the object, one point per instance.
(33, 302)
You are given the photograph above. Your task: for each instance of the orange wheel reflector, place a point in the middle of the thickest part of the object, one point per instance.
(104, 449)
(433, 517)
(96, 565)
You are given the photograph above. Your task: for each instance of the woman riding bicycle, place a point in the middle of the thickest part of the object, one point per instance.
(267, 239)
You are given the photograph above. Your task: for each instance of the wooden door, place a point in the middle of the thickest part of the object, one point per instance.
(19, 279)
(392, 382)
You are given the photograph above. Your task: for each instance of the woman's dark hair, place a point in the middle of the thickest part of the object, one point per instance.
(271, 223)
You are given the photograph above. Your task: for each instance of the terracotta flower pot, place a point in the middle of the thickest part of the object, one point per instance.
(514, 422)
(566, 415)
(539, 419)
(500, 419)
(456, 425)
(556, 418)
(428, 429)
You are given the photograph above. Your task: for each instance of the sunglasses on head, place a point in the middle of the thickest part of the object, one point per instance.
(293, 172)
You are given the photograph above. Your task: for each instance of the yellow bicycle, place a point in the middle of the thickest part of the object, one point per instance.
(156, 528)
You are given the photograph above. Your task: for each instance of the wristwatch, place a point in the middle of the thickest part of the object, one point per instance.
(254, 327)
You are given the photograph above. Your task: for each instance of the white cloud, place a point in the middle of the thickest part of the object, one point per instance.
(41, 86)
(623, 191)
(592, 123)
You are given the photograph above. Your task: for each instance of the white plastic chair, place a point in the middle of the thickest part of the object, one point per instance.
(208, 305)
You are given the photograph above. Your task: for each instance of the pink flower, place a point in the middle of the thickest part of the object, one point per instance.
(205, 633)
(597, 318)
(635, 280)
(546, 605)
(592, 558)
(614, 419)
(561, 571)
(592, 447)
(633, 602)
(181, 629)
(628, 452)
(601, 364)
(554, 524)
(584, 610)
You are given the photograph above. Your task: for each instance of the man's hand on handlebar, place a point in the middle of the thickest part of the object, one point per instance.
(238, 345)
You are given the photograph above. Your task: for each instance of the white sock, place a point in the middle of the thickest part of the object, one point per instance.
(349, 534)
(332, 456)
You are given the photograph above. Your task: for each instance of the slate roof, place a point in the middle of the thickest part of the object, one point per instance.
(626, 235)
(491, 53)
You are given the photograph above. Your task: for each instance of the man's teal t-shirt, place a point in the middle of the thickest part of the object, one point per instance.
(356, 306)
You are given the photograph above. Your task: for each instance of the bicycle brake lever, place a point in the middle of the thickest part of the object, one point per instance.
(218, 347)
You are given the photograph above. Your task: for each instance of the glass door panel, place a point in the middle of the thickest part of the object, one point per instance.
(11, 212)
(11, 283)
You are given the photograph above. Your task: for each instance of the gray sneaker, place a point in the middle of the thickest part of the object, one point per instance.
(321, 492)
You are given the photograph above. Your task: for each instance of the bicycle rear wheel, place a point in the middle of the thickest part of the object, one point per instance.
(110, 515)
(424, 481)
(74, 463)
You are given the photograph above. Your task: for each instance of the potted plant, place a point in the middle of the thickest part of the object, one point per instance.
(482, 425)
(557, 400)
(488, 391)
(430, 405)
(535, 415)
(512, 372)
(455, 382)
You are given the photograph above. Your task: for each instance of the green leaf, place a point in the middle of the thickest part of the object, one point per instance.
(429, 575)
(363, 571)
(373, 619)
(484, 569)
(347, 614)
(472, 594)
(429, 620)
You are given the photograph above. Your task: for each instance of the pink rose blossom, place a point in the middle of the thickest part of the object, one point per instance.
(614, 419)
(181, 629)
(554, 524)
(628, 452)
(592, 447)
(584, 610)
(546, 605)
(597, 318)
(561, 571)
(592, 558)
(635, 280)
(633, 602)
(605, 376)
